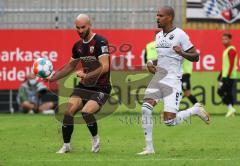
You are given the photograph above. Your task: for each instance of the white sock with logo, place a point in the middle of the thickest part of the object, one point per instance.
(147, 124)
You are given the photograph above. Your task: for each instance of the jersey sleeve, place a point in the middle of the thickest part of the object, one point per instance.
(231, 56)
(75, 54)
(185, 42)
(102, 47)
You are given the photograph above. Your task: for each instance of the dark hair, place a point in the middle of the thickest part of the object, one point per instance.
(227, 34)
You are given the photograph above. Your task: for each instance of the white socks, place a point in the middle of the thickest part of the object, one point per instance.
(193, 110)
(95, 137)
(66, 144)
(182, 116)
(147, 124)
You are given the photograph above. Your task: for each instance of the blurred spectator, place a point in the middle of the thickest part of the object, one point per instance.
(150, 52)
(228, 74)
(186, 83)
(30, 95)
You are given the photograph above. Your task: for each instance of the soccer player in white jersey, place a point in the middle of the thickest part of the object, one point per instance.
(173, 45)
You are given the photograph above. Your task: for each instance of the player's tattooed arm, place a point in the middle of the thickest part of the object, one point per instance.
(65, 70)
(190, 54)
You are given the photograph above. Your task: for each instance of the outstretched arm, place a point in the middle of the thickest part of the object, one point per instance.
(67, 69)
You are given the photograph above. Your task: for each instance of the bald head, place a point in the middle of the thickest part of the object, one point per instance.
(83, 26)
(83, 18)
(165, 17)
(169, 11)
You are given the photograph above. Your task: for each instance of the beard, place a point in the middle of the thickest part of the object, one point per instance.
(159, 25)
(85, 34)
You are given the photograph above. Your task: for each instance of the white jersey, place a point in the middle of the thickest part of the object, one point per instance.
(167, 58)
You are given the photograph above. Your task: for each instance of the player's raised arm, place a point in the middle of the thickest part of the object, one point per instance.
(190, 54)
(67, 69)
(186, 49)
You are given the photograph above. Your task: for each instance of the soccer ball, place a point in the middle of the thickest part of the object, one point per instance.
(42, 67)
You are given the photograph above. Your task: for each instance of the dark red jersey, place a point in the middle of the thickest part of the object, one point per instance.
(89, 53)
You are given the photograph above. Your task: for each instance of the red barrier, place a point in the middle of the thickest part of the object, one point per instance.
(19, 48)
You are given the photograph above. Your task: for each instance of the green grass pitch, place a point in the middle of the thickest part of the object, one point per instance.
(34, 139)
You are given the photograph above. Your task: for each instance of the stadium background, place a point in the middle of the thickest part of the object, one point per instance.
(46, 27)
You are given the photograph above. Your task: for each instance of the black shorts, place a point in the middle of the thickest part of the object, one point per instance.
(100, 94)
(226, 91)
(186, 85)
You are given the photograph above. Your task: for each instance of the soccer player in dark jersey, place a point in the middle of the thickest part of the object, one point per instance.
(94, 88)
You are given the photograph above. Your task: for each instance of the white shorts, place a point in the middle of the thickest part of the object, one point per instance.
(168, 90)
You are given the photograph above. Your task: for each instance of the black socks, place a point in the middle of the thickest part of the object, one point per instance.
(67, 128)
(192, 99)
(91, 123)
